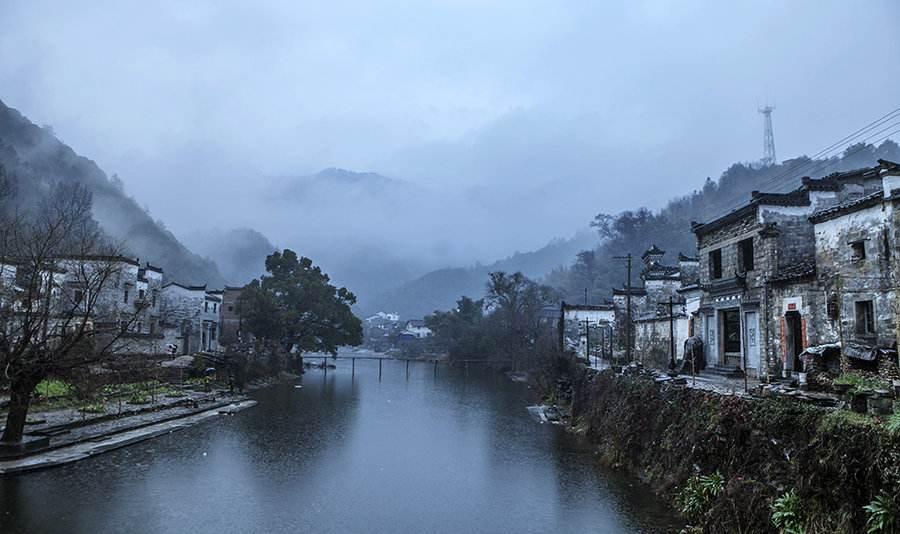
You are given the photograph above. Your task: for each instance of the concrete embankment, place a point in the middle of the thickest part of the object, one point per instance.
(92, 445)
(728, 462)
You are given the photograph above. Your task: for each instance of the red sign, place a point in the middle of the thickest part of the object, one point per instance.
(792, 306)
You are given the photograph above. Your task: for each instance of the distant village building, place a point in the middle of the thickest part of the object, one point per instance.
(229, 318)
(587, 328)
(190, 317)
(653, 321)
(129, 300)
(415, 329)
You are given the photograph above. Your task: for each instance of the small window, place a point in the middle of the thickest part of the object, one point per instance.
(886, 243)
(230, 308)
(125, 299)
(79, 296)
(141, 294)
(745, 254)
(206, 306)
(865, 317)
(715, 264)
(858, 250)
(833, 307)
(215, 307)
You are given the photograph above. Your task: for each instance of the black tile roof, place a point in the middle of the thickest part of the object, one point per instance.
(847, 207)
(797, 271)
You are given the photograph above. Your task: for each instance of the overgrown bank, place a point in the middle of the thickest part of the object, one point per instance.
(732, 464)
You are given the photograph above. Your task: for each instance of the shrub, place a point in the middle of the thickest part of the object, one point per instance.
(786, 512)
(696, 496)
(881, 514)
(893, 424)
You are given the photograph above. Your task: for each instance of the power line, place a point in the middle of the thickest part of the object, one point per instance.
(819, 164)
(840, 144)
(796, 169)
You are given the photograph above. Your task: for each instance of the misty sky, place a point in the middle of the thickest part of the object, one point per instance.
(542, 112)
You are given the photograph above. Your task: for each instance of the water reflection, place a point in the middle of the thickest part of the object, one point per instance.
(446, 454)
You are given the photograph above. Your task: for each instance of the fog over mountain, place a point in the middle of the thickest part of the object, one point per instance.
(450, 133)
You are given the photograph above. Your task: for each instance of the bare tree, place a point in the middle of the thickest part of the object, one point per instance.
(56, 315)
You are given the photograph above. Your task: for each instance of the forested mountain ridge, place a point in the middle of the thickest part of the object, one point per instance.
(634, 231)
(439, 289)
(35, 159)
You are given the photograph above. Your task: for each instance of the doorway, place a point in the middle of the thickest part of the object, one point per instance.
(793, 341)
(731, 337)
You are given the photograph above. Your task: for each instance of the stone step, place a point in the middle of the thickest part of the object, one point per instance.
(721, 370)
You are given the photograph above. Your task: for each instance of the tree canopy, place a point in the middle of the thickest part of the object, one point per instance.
(295, 304)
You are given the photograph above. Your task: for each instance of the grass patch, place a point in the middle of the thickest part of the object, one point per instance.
(860, 383)
(50, 388)
(845, 421)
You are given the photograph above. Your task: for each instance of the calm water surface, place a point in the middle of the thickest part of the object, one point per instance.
(454, 453)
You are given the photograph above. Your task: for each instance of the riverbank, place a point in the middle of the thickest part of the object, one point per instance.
(727, 463)
(56, 437)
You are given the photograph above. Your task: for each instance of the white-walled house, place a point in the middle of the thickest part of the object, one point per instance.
(190, 318)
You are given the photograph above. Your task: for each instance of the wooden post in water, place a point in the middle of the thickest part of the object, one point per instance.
(435, 368)
(352, 367)
(325, 365)
(407, 369)
(379, 368)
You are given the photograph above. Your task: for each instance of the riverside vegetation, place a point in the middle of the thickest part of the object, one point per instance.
(739, 464)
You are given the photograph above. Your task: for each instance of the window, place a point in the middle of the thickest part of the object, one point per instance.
(865, 317)
(745, 254)
(126, 296)
(230, 308)
(206, 306)
(78, 296)
(858, 250)
(153, 299)
(215, 306)
(141, 294)
(715, 264)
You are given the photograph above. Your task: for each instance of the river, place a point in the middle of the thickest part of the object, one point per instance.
(343, 454)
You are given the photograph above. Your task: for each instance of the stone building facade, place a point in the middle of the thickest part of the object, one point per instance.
(783, 273)
(130, 299)
(229, 319)
(190, 318)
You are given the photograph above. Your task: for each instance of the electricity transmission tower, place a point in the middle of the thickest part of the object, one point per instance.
(768, 136)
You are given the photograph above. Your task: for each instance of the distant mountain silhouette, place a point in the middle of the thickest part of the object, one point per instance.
(440, 289)
(240, 253)
(37, 159)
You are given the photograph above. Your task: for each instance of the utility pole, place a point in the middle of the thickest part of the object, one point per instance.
(628, 337)
(587, 341)
(671, 337)
(768, 136)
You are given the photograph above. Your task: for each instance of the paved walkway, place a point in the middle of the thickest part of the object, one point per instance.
(103, 437)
